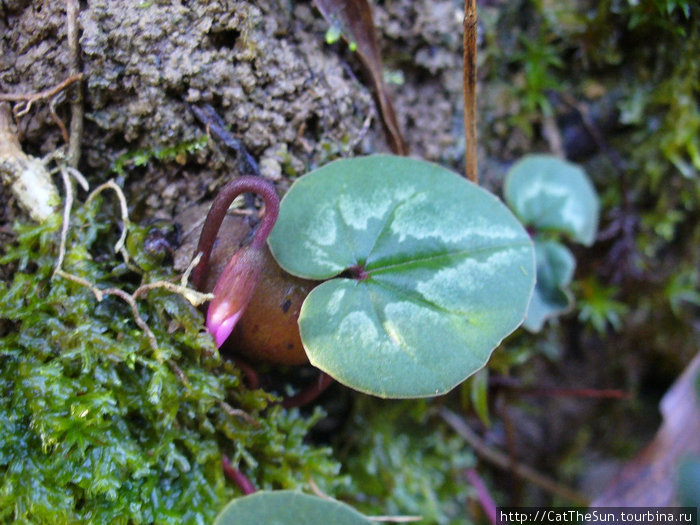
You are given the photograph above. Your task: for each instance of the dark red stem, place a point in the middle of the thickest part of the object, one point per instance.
(483, 495)
(251, 376)
(514, 384)
(235, 475)
(217, 212)
(309, 393)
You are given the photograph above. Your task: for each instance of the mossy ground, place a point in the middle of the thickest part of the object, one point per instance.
(97, 424)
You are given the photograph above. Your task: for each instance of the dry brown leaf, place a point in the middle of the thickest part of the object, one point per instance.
(649, 480)
(354, 18)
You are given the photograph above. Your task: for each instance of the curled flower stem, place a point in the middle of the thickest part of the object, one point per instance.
(217, 212)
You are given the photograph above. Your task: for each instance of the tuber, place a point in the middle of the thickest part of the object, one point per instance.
(255, 300)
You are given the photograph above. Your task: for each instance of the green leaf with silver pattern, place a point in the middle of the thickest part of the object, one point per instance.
(555, 269)
(428, 273)
(286, 507)
(551, 194)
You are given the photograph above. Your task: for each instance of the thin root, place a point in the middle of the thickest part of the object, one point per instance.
(110, 184)
(237, 412)
(502, 461)
(192, 295)
(25, 101)
(33, 97)
(52, 110)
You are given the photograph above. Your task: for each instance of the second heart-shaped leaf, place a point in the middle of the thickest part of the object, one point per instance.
(555, 269)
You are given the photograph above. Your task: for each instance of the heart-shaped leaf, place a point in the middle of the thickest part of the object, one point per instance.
(433, 272)
(549, 193)
(555, 269)
(286, 507)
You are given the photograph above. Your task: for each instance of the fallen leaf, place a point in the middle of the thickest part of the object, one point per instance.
(650, 479)
(354, 19)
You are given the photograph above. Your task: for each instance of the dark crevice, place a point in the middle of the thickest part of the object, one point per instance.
(224, 38)
(176, 92)
(4, 16)
(356, 272)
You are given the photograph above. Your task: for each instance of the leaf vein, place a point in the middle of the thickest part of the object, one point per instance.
(387, 222)
(445, 255)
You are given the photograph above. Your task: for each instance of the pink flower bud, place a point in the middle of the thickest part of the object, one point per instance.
(233, 291)
(238, 281)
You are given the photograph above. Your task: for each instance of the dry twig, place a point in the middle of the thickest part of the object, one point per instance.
(363, 130)
(469, 86)
(193, 296)
(129, 299)
(52, 111)
(99, 293)
(502, 461)
(30, 98)
(76, 121)
(25, 101)
(110, 184)
(67, 206)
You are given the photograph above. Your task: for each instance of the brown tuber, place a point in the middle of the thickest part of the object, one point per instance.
(267, 330)
(256, 302)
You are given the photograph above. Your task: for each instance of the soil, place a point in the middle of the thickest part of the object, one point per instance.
(294, 101)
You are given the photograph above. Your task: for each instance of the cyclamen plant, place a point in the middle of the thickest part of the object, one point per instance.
(554, 199)
(424, 272)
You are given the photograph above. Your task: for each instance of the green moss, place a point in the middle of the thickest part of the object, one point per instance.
(403, 462)
(97, 426)
(141, 157)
